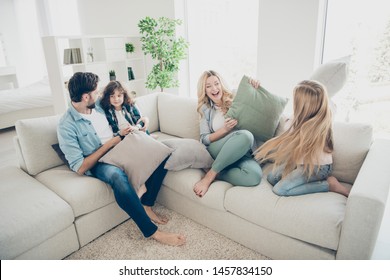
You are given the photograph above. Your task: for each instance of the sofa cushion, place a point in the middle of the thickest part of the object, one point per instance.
(351, 144)
(35, 138)
(148, 108)
(138, 155)
(83, 193)
(178, 116)
(187, 153)
(30, 213)
(183, 183)
(314, 218)
(256, 110)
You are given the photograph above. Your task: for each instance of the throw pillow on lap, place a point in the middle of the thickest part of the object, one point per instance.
(256, 110)
(139, 155)
(187, 153)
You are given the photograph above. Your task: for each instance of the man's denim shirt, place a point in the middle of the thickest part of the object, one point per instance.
(77, 137)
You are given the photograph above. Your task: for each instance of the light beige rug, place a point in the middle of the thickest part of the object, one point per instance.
(126, 242)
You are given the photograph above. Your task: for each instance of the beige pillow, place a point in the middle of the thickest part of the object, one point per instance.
(138, 154)
(351, 144)
(188, 153)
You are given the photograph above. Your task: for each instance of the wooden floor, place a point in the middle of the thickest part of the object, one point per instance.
(381, 252)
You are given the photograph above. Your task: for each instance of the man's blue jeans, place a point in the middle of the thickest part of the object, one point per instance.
(126, 196)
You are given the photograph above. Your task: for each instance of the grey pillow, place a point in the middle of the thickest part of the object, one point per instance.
(187, 153)
(138, 154)
(61, 155)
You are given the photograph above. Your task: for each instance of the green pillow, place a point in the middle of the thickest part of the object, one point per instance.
(256, 110)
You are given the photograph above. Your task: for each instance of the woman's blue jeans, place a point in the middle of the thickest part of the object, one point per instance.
(297, 182)
(126, 196)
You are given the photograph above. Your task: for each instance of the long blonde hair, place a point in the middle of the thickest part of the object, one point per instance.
(309, 134)
(227, 95)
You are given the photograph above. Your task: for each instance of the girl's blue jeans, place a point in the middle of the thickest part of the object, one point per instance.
(126, 196)
(297, 183)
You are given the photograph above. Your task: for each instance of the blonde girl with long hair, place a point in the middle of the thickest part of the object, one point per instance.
(230, 148)
(302, 155)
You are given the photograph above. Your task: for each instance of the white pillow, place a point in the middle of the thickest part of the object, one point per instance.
(188, 153)
(333, 74)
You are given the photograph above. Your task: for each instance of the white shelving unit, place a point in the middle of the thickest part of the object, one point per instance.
(109, 53)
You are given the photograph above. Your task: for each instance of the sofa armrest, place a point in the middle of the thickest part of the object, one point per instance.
(366, 204)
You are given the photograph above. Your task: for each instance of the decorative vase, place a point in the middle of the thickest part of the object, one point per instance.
(112, 78)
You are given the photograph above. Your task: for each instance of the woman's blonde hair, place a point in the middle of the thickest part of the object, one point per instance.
(309, 134)
(227, 95)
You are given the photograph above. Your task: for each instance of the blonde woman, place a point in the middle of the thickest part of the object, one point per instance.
(230, 148)
(302, 155)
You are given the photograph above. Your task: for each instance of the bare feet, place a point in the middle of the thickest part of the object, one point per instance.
(203, 185)
(337, 187)
(141, 190)
(168, 238)
(153, 216)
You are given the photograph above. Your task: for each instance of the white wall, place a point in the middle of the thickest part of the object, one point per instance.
(102, 17)
(288, 43)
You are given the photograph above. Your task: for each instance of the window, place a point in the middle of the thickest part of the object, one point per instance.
(361, 29)
(223, 37)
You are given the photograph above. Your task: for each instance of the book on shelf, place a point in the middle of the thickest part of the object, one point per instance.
(72, 56)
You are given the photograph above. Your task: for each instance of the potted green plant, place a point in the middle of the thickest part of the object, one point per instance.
(159, 40)
(129, 49)
(112, 75)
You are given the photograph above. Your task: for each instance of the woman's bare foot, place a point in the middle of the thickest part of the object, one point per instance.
(141, 190)
(203, 185)
(168, 238)
(337, 187)
(153, 216)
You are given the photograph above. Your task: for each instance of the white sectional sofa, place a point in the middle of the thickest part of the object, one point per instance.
(48, 211)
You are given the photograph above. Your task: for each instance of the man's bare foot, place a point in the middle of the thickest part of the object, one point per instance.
(168, 238)
(337, 187)
(203, 185)
(141, 190)
(154, 217)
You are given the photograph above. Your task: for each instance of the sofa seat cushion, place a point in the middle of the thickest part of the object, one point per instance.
(183, 182)
(30, 213)
(83, 193)
(313, 218)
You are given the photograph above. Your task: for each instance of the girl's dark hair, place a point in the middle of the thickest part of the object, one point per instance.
(110, 90)
(81, 83)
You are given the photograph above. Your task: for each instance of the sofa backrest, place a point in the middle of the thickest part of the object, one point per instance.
(178, 116)
(148, 107)
(35, 137)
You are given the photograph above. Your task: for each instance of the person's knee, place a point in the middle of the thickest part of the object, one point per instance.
(248, 137)
(279, 191)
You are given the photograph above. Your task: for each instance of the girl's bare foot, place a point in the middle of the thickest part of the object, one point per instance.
(337, 187)
(141, 190)
(154, 217)
(203, 185)
(168, 238)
